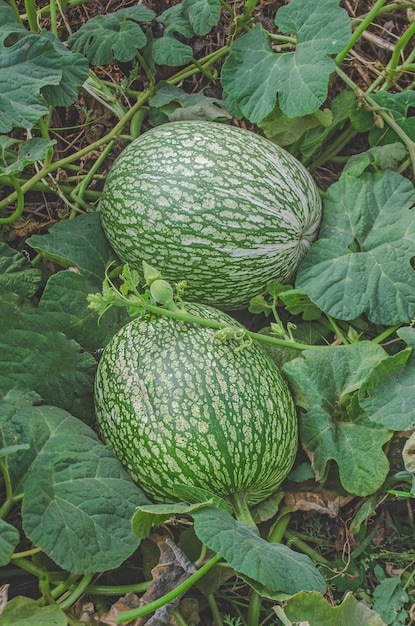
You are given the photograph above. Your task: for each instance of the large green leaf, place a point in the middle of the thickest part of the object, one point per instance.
(388, 394)
(19, 280)
(253, 74)
(361, 262)
(21, 610)
(36, 355)
(43, 348)
(14, 162)
(29, 426)
(9, 538)
(35, 70)
(78, 501)
(75, 70)
(274, 566)
(314, 610)
(169, 103)
(167, 50)
(333, 427)
(25, 67)
(285, 130)
(65, 298)
(202, 14)
(69, 244)
(115, 35)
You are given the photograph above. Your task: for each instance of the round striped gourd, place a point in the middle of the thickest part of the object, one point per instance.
(181, 407)
(218, 206)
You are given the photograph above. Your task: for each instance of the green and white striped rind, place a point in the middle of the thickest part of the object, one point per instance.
(180, 406)
(218, 206)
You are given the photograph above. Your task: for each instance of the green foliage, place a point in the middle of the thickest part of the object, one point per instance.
(362, 260)
(274, 566)
(319, 611)
(202, 14)
(9, 539)
(21, 610)
(35, 70)
(333, 426)
(387, 394)
(79, 513)
(30, 151)
(115, 35)
(254, 74)
(389, 600)
(66, 503)
(55, 510)
(170, 104)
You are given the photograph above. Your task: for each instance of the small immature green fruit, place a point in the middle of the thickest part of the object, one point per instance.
(180, 407)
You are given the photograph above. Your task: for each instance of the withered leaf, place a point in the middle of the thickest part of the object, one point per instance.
(172, 569)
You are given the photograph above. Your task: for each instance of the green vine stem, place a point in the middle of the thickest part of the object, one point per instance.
(206, 62)
(410, 145)
(391, 69)
(9, 501)
(42, 187)
(31, 15)
(20, 202)
(26, 553)
(62, 163)
(53, 18)
(127, 616)
(214, 609)
(315, 556)
(369, 17)
(277, 531)
(243, 514)
(97, 302)
(79, 590)
(117, 590)
(63, 587)
(13, 6)
(78, 193)
(386, 334)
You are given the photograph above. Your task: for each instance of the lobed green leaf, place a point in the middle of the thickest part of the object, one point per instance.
(361, 263)
(78, 500)
(388, 394)
(68, 244)
(21, 610)
(317, 611)
(115, 35)
(26, 67)
(202, 14)
(29, 151)
(333, 427)
(9, 539)
(273, 566)
(19, 280)
(254, 75)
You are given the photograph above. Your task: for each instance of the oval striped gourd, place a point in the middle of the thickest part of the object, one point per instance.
(218, 206)
(181, 407)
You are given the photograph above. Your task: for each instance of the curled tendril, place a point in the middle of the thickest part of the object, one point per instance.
(237, 334)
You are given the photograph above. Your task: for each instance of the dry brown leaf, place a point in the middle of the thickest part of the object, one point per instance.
(126, 603)
(4, 589)
(172, 569)
(325, 502)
